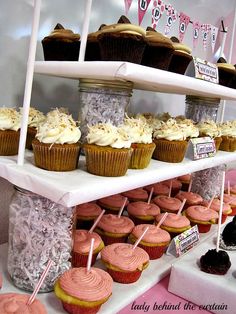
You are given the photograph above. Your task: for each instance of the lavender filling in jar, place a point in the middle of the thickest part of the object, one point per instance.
(39, 230)
(102, 101)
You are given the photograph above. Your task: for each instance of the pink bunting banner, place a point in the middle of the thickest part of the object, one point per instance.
(127, 5)
(172, 16)
(157, 11)
(196, 30)
(142, 8)
(183, 24)
(205, 32)
(214, 33)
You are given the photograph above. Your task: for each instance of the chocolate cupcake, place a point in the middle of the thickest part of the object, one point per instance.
(228, 237)
(92, 48)
(214, 262)
(226, 71)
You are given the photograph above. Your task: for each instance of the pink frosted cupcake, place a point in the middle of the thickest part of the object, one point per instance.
(83, 292)
(154, 242)
(167, 204)
(191, 198)
(158, 189)
(136, 195)
(231, 200)
(16, 303)
(112, 204)
(114, 229)
(81, 246)
(174, 224)
(86, 214)
(215, 205)
(123, 263)
(201, 216)
(176, 185)
(185, 180)
(142, 212)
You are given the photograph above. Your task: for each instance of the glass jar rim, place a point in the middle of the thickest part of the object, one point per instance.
(207, 100)
(109, 84)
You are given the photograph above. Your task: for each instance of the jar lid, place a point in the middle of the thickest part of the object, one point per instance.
(207, 100)
(127, 85)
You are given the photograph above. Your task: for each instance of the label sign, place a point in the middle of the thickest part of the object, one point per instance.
(202, 147)
(206, 70)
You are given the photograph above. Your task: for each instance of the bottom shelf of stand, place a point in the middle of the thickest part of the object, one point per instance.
(122, 294)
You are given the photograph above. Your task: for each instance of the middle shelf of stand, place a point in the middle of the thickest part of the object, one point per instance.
(79, 186)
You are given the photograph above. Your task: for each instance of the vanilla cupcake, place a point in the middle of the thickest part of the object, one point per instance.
(9, 131)
(210, 128)
(190, 129)
(228, 134)
(56, 145)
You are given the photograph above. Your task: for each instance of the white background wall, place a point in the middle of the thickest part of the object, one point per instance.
(15, 28)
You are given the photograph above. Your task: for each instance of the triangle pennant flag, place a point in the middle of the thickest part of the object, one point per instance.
(127, 5)
(205, 32)
(172, 16)
(157, 11)
(142, 8)
(196, 28)
(183, 24)
(214, 33)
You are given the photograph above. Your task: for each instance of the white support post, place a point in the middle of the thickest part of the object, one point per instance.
(29, 81)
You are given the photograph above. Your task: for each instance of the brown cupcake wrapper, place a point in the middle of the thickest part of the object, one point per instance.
(169, 151)
(141, 155)
(217, 141)
(59, 50)
(31, 132)
(179, 62)
(9, 142)
(157, 57)
(228, 144)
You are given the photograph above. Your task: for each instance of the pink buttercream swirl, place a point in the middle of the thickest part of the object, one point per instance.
(14, 303)
(94, 285)
(216, 205)
(143, 209)
(123, 256)
(114, 224)
(168, 203)
(153, 235)
(88, 209)
(174, 220)
(176, 184)
(139, 194)
(158, 189)
(201, 213)
(82, 241)
(191, 198)
(114, 201)
(230, 199)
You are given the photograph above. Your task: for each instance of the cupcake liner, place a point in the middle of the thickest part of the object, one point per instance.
(84, 224)
(217, 141)
(202, 228)
(107, 161)
(121, 47)
(80, 260)
(169, 151)
(223, 218)
(59, 50)
(76, 309)
(141, 155)
(139, 221)
(124, 277)
(228, 144)
(56, 157)
(92, 51)
(179, 62)
(9, 142)
(157, 56)
(154, 252)
(226, 76)
(31, 132)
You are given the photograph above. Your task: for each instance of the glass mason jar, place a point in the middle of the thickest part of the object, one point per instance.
(39, 230)
(102, 101)
(201, 108)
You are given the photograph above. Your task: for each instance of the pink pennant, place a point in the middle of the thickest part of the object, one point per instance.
(127, 5)
(157, 11)
(183, 24)
(196, 28)
(142, 8)
(214, 33)
(205, 32)
(172, 15)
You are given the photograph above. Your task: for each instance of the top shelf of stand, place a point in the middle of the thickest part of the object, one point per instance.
(144, 78)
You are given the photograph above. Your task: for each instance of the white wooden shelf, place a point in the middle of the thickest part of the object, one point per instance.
(78, 186)
(144, 78)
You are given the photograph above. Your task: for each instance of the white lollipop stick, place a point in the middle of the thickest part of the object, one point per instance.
(220, 212)
(140, 238)
(212, 199)
(170, 188)
(182, 206)
(150, 195)
(122, 207)
(190, 185)
(89, 261)
(162, 220)
(96, 221)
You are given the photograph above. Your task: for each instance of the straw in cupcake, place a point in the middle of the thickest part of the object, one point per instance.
(96, 221)
(212, 199)
(170, 188)
(150, 195)
(220, 212)
(140, 238)
(181, 207)
(190, 185)
(122, 207)
(162, 220)
(89, 261)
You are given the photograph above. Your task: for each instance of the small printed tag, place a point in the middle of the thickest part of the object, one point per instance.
(201, 147)
(183, 242)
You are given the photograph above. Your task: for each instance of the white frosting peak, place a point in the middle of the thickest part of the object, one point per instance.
(9, 119)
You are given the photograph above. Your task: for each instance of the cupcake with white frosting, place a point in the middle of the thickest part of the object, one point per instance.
(9, 131)
(211, 129)
(56, 146)
(228, 134)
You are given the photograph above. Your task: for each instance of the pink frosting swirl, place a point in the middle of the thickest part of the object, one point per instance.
(176, 184)
(153, 235)
(191, 198)
(201, 213)
(138, 194)
(174, 221)
(87, 286)
(185, 178)
(14, 303)
(230, 199)
(114, 224)
(114, 201)
(167, 203)
(82, 241)
(88, 209)
(215, 205)
(143, 209)
(158, 189)
(123, 256)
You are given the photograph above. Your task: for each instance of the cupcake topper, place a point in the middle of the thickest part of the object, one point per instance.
(140, 238)
(96, 221)
(150, 195)
(190, 185)
(170, 188)
(181, 207)
(162, 220)
(220, 212)
(39, 284)
(122, 207)
(209, 205)
(89, 261)
(228, 187)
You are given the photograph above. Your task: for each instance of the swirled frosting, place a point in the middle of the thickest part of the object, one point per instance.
(58, 128)
(82, 241)
(209, 128)
(167, 203)
(174, 220)
(143, 209)
(114, 224)
(123, 256)
(227, 128)
(201, 213)
(137, 130)
(215, 205)
(60, 32)
(170, 130)
(87, 286)
(106, 134)
(122, 28)
(113, 201)
(158, 189)
(188, 127)
(88, 209)
(229, 199)
(158, 39)
(9, 119)
(35, 117)
(136, 194)
(153, 235)
(14, 303)
(185, 178)
(175, 183)
(191, 197)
